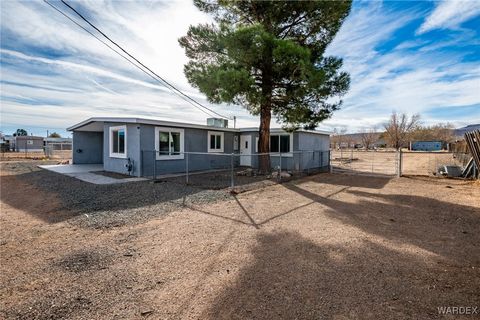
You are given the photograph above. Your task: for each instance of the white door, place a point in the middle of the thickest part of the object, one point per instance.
(245, 150)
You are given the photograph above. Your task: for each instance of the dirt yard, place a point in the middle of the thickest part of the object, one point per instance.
(323, 247)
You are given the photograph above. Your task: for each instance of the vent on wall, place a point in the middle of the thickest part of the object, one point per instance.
(217, 122)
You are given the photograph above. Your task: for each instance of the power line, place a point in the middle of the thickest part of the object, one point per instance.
(170, 86)
(106, 44)
(93, 35)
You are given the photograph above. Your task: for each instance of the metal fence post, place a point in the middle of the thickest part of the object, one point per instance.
(330, 167)
(321, 159)
(232, 183)
(154, 165)
(141, 163)
(399, 164)
(373, 158)
(186, 168)
(351, 158)
(280, 165)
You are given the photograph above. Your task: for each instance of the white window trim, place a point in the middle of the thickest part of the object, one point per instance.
(182, 140)
(110, 142)
(286, 154)
(222, 141)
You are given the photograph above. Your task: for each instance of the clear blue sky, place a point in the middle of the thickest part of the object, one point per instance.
(415, 57)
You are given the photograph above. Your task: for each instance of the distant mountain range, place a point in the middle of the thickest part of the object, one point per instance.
(461, 131)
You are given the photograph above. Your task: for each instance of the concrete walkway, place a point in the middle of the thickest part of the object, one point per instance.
(86, 172)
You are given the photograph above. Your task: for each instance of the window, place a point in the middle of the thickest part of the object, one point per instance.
(278, 143)
(118, 142)
(215, 141)
(169, 143)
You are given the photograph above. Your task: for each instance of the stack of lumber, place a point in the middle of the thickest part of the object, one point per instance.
(473, 142)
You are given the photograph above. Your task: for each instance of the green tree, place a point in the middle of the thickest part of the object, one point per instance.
(54, 135)
(21, 132)
(268, 56)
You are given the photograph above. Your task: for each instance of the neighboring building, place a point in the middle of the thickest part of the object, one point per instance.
(426, 145)
(9, 143)
(28, 144)
(118, 143)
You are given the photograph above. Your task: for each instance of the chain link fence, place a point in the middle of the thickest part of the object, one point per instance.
(367, 162)
(428, 163)
(61, 151)
(394, 163)
(222, 170)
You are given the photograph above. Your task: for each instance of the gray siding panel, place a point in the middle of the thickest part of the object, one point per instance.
(196, 140)
(133, 150)
(311, 141)
(302, 141)
(87, 147)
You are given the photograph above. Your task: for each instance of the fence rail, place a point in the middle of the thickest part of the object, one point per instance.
(394, 163)
(229, 169)
(369, 162)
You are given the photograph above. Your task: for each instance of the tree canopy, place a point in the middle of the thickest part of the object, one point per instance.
(269, 53)
(399, 128)
(54, 135)
(21, 132)
(268, 56)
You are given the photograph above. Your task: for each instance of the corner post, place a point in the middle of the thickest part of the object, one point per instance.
(186, 167)
(399, 163)
(154, 164)
(232, 183)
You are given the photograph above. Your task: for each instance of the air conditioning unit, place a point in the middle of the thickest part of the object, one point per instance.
(217, 122)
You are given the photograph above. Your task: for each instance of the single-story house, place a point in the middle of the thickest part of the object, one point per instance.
(142, 146)
(28, 144)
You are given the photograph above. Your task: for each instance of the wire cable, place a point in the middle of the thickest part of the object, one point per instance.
(171, 86)
(113, 49)
(124, 57)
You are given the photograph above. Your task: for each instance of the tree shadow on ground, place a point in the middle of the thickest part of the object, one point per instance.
(291, 277)
(351, 180)
(443, 228)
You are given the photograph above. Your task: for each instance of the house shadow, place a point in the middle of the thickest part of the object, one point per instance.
(53, 197)
(292, 277)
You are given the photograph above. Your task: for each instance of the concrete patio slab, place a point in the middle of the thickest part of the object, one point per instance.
(86, 172)
(73, 168)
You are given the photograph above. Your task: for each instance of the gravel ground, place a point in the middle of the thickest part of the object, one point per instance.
(323, 247)
(103, 206)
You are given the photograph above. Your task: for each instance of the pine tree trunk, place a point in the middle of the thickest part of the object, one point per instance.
(264, 140)
(266, 111)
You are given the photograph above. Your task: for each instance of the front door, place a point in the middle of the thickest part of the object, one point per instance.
(245, 150)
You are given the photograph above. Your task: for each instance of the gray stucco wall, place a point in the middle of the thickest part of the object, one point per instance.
(133, 150)
(87, 147)
(301, 141)
(196, 140)
(311, 141)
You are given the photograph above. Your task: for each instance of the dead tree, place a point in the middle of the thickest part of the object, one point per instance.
(399, 128)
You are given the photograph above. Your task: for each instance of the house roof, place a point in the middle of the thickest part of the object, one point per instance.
(28, 138)
(154, 122)
(280, 130)
(96, 124)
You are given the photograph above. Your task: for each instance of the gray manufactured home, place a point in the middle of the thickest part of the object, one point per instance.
(142, 146)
